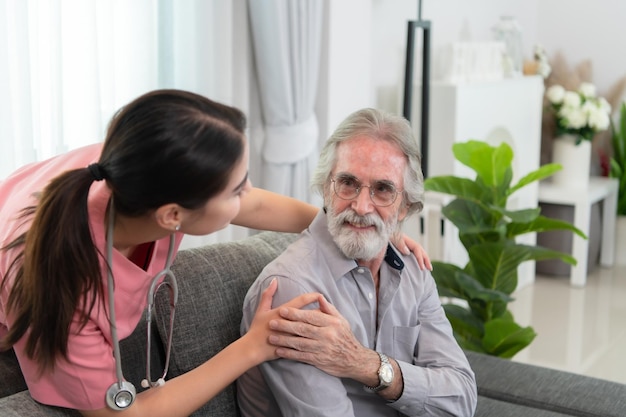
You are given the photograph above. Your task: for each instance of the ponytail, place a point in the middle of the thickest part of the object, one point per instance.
(61, 275)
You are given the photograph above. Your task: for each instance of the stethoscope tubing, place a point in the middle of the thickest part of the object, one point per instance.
(122, 393)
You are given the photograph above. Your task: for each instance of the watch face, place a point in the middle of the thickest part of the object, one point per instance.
(386, 373)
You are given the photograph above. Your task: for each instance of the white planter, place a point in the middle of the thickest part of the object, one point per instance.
(575, 159)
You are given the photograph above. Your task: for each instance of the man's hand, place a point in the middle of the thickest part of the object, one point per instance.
(323, 338)
(260, 331)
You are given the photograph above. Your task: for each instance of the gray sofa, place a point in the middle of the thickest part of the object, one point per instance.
(213, 281)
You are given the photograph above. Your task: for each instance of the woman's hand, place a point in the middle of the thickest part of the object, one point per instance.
(406, 245)
(260, 331)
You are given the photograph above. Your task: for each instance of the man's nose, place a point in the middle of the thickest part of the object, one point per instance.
(362, 203)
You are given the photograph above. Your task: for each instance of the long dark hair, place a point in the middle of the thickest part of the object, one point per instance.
(167, 146)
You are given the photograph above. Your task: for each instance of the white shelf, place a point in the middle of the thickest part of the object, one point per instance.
(582, 198)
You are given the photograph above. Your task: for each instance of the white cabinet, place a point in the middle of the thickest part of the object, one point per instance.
(507, 110)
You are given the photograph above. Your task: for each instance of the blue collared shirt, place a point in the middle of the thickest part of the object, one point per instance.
(407, 323)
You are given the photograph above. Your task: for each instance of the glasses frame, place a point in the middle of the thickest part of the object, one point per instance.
(371, 192)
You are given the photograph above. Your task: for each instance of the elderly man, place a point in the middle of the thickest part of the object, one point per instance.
(380, 343)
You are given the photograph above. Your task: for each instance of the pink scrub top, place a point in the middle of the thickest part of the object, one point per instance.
(80, 383)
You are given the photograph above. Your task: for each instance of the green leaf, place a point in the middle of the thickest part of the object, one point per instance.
(457, 186)
(505, 338)
(448, 281)
(470, 216)
(543, 172)
(489, 163)
(454, 282)
(468, 330)
(520, 216)
(542, 224)
(495, 264)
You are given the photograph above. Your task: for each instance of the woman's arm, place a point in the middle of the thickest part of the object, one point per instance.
(265, 210)
(186, 393)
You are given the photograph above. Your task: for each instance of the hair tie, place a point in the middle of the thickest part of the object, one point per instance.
(97, 172)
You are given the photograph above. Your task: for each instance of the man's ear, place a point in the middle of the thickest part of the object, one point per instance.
(169, 216)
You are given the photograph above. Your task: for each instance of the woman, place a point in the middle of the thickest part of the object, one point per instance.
(172, 163)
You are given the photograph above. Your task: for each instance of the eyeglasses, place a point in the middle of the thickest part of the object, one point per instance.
(382, 193)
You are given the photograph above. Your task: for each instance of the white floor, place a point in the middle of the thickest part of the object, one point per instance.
(581, 330)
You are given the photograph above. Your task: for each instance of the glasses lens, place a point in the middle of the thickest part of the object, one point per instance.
(347, 188)
(383, 194)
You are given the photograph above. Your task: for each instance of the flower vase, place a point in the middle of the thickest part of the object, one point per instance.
(575, 160)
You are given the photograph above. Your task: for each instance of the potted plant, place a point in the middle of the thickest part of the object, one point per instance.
(579, 116)
(481, 290)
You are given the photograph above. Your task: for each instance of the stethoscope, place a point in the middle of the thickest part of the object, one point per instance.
(122, 393)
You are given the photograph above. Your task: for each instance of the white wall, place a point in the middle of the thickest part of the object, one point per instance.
(591, 30)
(362, 51)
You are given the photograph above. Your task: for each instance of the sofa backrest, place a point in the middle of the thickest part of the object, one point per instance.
(213, 281)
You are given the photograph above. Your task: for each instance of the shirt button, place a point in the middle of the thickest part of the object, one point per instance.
(360, 270)
(370, 295)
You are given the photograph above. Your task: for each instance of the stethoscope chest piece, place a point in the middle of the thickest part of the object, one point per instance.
(120, 395)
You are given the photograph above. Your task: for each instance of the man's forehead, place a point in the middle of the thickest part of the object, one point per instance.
(381, 159)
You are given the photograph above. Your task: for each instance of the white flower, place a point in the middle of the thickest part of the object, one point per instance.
(580, 113)
(555, 94)
(571, 99)
(588, 90)
(598, 118)
(574, 116)
(604, 105)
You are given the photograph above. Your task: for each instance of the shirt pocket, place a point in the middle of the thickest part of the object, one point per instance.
(405, 342)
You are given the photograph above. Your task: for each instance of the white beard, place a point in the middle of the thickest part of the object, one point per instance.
(365, 245)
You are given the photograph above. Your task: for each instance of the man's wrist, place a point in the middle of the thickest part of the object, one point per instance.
(385, 374)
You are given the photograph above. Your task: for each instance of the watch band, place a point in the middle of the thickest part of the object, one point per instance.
(385, 366)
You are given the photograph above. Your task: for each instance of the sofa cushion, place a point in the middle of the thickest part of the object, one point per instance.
(489, 407)
(547, 389)
(22, 404)
(213, 281)
(12, 380)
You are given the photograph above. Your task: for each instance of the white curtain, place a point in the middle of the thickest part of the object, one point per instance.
(67, 65)
(286, 39)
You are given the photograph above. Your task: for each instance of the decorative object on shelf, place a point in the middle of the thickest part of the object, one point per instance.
(481, 291)
(539, 65)
(509, 31)
(579, 116)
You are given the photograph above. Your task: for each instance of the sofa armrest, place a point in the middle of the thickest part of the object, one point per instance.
(547, 389)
